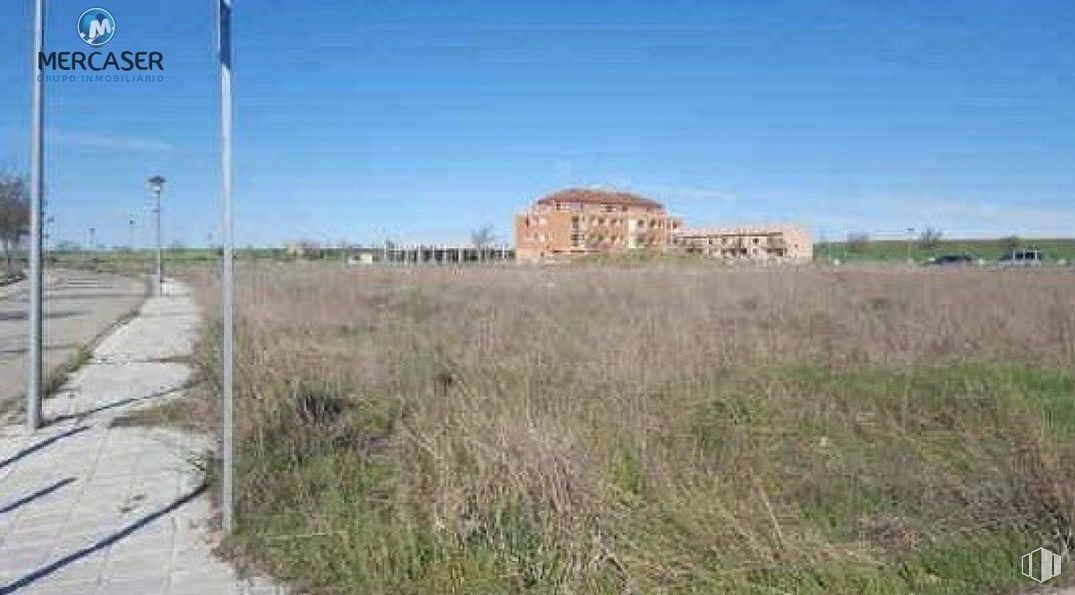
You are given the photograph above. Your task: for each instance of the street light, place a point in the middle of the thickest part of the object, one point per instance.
(156, 185)
(46, 235)
(910, 238)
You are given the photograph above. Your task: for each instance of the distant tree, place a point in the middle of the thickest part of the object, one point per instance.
(1011, 242)
(858, 241)
(67, 246)
(930, 238)
(14, 215)
(483, 237)
(177, 246)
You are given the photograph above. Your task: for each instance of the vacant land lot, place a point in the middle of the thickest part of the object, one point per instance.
(665, 428)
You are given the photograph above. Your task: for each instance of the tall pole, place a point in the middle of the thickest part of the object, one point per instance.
(156, 185)
(227, 513)
(159, 285)
(37, 192)
(910, 236)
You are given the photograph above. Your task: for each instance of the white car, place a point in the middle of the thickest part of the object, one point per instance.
(1026, 258)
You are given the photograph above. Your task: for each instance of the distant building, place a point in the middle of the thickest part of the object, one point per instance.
(303, 249)
(763, 243)
(581, 221)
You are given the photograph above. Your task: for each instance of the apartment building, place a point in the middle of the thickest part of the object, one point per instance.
(762, 244)
(581, 221)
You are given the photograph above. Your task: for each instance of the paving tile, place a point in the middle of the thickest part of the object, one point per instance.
(21, 559)
(53, 588)
(147, 584)
(88, 569)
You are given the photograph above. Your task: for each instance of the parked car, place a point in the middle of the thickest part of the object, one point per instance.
(1026, 258)
(951, 260)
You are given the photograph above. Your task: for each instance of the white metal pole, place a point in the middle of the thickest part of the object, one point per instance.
(159, 288)
(37, 191)
(227, 498)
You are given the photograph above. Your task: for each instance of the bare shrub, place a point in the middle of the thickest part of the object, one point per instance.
(930, 238)
(14, 215)
(858, 241)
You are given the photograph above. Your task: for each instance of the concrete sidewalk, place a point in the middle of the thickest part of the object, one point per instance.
(79, 306)
(89, 508)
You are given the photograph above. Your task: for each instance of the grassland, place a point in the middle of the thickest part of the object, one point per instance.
(1053, 250)
(672, 428)
(872, 251)
(131, 262)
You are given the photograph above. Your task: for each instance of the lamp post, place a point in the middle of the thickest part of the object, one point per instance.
(46, 234)
(156, 185)
(910, 238)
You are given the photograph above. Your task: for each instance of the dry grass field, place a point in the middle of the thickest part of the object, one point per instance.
(672, 428)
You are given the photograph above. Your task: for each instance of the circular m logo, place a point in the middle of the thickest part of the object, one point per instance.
(96, 26)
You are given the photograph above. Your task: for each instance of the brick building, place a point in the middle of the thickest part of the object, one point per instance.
(763, 243)
(582, 221)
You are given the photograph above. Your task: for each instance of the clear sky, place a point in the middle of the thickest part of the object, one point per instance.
(424, 120)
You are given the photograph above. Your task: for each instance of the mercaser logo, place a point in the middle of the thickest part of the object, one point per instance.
(1041, 565)
(96, 26)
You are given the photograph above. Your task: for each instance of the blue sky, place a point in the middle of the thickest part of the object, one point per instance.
(423, 120)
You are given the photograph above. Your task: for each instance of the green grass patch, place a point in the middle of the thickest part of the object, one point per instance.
(797, 478)
(1053, 249)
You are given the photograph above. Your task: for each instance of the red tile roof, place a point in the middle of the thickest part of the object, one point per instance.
(602, 197)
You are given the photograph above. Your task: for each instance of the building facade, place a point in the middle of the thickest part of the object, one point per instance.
(760, 244)
(582, 221)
